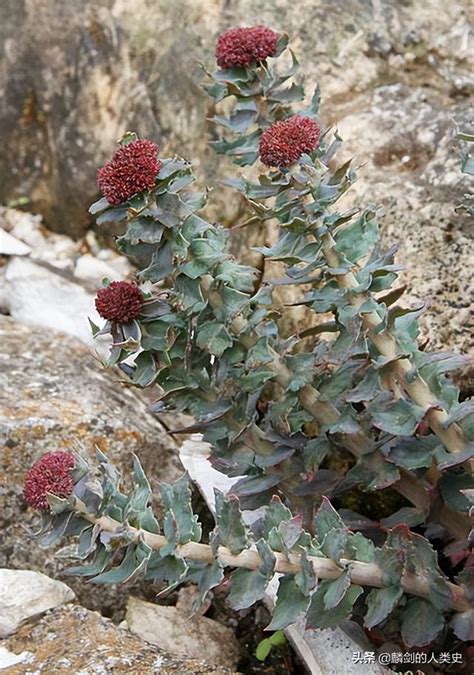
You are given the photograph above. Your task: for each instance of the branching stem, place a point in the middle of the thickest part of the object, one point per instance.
(452, 436)
(457, 524)
(361, 573)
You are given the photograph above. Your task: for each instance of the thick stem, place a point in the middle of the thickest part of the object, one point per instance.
(452, 437)
(456, 523)
(362, 573)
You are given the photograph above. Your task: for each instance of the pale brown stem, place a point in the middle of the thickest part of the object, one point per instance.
(362, 573)
(456, 523)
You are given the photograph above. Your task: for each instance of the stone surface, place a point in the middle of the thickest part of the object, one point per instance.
(76, 640)
(8, 659)
(40, 295)
(57, 249)
(172, 630)
(85, 258)
(68, 91)
(52, 395)
(55, 285)
(25, 594)
(11, 246)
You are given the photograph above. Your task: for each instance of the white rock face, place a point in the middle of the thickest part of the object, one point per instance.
(24, 594)
(8, 659)
(38, 295)
(11, 246)
(171, 630)
(48, 280)
(91, 269)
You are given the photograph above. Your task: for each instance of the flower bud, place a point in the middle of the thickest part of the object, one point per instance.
(121, 301)
(50, 474)
(245, 46)
(132, 169)
(284, 142)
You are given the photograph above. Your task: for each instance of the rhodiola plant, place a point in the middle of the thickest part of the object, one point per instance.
(358, 407)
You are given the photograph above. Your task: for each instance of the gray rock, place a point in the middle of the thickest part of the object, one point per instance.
(68, 92)
(44, 296)
(72, 639)
(11, 246)
(172, 630)
(25, 594)
(53, 395)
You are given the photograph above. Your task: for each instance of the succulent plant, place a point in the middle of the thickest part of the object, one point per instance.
(358, 407)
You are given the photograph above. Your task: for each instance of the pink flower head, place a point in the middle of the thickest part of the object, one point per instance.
(243, 46)
(132, 169)
(50, 474)
(284, 142)
(121, 301)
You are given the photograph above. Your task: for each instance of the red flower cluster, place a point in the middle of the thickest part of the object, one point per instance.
(284, 142)
(120, 301)
(132, 169)
(50, 474)
(243, 46)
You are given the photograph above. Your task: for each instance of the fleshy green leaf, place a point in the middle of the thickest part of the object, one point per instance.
(463, 625)
(180, 524)
(396, 417)
(290, 604)
(214, 338)
(319, 617)
(231, 531)
(248, 586)
(380, 603)
(421, 623)
(336, 590)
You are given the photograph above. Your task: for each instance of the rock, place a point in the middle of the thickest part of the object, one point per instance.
(172, 630)
(91, 269)
(69, 91)
(25, 594)
(75, 77)
(41, 295)
(53, 395)
(55, 286)
(57, 249)
(72, 639)
(11, 246)
(335, 649)
(8, 659)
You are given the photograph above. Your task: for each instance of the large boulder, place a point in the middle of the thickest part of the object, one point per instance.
(68, 92)
(72, 639)
(25, 594)
(53, 395)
